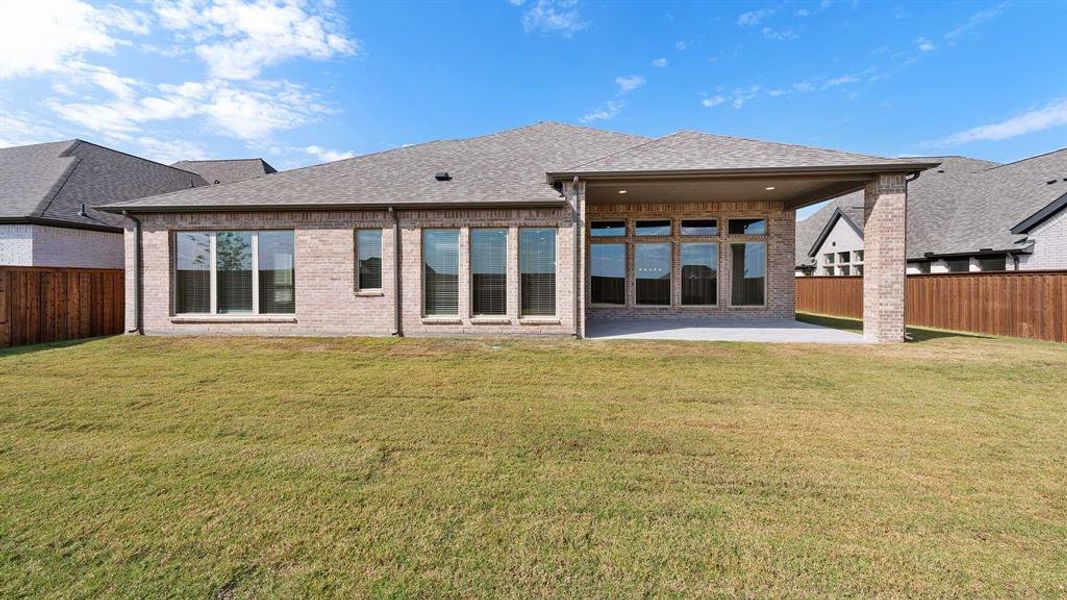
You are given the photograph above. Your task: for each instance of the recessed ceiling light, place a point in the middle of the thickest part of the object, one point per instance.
(769, 188)
(622, 191)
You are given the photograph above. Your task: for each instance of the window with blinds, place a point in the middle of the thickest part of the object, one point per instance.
(537, 271)
(652, 268)
(233, 272)
(700, 266)
(369, 259)
(440, 271)
(277, 285)
(607, 283)
(489, 271)
(192, 281)
(748, 280)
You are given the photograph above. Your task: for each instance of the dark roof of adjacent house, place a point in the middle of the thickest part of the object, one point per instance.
(504, 168)
(840, 213)
(48, 183)
(965, 206)
(227, 171)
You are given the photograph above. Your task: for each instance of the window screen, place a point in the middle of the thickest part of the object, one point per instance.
(652, 267)
(993, 263)
(657, 227)
(607, 228)
(700, 227)
(748, 227)
(700, 267)
(489, 271)
(537, 268)
(440, 271)
(277, 290)
(608, 273)
(749, 273)
(233, 266)
(192, 273)
(369, 259)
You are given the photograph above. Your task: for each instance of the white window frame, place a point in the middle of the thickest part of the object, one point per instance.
(213, 270)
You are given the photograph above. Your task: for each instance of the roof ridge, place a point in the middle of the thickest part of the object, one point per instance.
(58, 185)
(1021, 160)
(140, 158)
(626, 149)
(259, 158)
(747, 139)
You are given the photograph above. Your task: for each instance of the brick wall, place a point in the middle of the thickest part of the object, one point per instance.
(16, 245)
(780, 257)
(1050, 245)
(43, 246)
(885, 236)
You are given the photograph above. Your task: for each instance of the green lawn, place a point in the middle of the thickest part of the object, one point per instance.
(146, 467)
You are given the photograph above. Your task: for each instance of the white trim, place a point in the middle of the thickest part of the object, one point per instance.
(213, 259)
(255, 272)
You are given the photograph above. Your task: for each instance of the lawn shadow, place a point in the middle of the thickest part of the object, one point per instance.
(31, 348)
(914, 334)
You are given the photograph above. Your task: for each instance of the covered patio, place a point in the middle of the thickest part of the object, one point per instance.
(723, 329)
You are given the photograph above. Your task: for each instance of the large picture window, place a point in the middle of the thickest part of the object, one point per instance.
(489, 271)
(537, 271)
(440, 271)
(608, 274)
(700, 267)
(369, 259)
(234, 272)
(749, 266)
(652, 267)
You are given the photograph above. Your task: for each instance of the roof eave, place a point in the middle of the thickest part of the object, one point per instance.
(871, 169)
(33, 220)
(1039, 217)
(216, 208)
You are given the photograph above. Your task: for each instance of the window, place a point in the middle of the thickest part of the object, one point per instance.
(233, 266)
(749, 273)
(923, 267)
(277, 288)
(369, 259)
(748, 227)
(843, 270)
(537, 271)
(234, 272)
(489, 271)
(993, 263)
(857, 256)
(608, 273)
(440, 271)
(828, 271)
(700, 227)
(607, 229)
(958, 265)
(858, 269)
(652, 267)
(660, 227)
(843, 256)
(192, 273)
(700, 266)
(828, 258)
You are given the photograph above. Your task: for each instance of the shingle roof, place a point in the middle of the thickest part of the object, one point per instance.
(504, 167)
(696, 151)
(963, 206)
(227, 171)
(48, 183)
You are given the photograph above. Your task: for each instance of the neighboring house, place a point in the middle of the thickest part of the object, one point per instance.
(227, 171)
(48, 193)
(527, 231)
(966, 215)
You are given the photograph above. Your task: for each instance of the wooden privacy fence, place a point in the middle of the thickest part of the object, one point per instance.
(47, 304)
(1031, 304)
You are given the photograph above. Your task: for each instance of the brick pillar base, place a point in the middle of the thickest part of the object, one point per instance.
(884, 236)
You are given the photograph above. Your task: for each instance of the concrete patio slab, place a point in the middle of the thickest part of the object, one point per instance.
(719, 330)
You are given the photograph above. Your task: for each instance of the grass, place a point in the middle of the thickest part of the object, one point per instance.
(145, 467)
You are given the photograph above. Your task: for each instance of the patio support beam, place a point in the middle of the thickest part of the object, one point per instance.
(884, 238)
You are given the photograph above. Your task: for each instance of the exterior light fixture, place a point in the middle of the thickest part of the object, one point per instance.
(769, 188)
(622, 191)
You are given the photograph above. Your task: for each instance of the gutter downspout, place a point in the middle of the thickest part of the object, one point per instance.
(396, 272)
(579, 247)
(138, 318)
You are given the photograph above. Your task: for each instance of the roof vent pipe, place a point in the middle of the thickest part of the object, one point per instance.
(81, 211)
(442, 176)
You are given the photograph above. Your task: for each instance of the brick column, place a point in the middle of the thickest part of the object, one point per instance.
(884, 212)
(576, 198)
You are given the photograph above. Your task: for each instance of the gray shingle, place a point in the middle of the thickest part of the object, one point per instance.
(227, 171)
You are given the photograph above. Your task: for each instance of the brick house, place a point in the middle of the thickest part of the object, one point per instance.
(48, 193)
(966, 215)
(527, 231)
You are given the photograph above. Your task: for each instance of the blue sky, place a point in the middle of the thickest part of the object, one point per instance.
(303, 82)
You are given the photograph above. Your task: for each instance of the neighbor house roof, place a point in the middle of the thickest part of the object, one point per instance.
(227, 171)
(48, 183)
(965, 206)
(504, 168)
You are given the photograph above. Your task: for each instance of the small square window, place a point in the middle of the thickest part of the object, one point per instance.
(843, 256)
(607, 229)
(857, 256)
(748, 226)
(843, 270)
(828, 258)
(700, 227)
(657, 227)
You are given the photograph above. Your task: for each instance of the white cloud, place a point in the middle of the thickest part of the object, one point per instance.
(681, 45)
(39, 36)
(629, 83)
(170, 150)
(1052, 115)
(754, 17)
(553, 16)
(803, 12)
(659, 63)
(606, 112)
(237, 39)
(836, 81)
(975, 20)
(18, 128)
(713, 101)
(925, 45)
(785, 34)
(326, 155)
